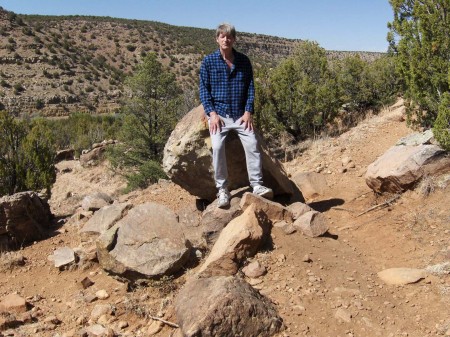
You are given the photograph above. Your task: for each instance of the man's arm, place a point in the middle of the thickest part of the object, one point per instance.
(247, 118)
(205, 89)
(215, 123)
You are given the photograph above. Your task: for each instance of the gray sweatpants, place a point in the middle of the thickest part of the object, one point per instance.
(252, 153)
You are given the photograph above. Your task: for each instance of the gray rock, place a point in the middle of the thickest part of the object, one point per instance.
(298, 209)
(187, 160)
(104, 219)
(63, 257)
(94, 202)
(225, 306)
(254, 270)
(148, 242)
(417, 138)
(402, 167)
(24, 217)
(312, 224)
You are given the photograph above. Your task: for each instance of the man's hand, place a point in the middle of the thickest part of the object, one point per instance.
(215, 123)
(247, 120)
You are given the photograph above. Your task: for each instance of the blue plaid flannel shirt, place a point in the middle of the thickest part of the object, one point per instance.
(229, 92)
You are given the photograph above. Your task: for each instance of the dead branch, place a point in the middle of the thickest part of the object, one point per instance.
(384, 204)
(173, 325)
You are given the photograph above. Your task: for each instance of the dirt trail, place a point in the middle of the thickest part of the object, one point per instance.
(336, 293)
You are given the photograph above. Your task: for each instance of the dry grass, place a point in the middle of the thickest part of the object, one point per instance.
(11, 260)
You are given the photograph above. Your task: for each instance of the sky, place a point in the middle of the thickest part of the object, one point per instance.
(351, 25)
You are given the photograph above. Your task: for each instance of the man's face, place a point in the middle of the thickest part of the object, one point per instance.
(225, 41)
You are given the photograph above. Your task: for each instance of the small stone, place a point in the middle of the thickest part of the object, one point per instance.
(63, 257)
(86, 282)
(102, 294)
(306, 258)
(281, 258)
(122, 324)
(154, 328)
(254, 270)
(343, 315)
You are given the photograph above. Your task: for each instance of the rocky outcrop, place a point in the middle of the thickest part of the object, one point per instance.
(24, 217)
(147, 243)
(240, 239)
(187, 160)
(95, 154)
(402, 167)
(225, 306)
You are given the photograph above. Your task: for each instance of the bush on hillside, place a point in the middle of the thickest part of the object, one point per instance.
(26, 155)
(441, 129)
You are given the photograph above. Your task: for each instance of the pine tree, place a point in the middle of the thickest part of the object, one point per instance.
(39, 154)
(11, 171)
(420, 37)
(150, 115)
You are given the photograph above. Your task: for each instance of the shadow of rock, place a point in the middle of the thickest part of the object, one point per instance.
(325, 205)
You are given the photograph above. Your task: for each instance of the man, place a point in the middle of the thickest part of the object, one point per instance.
(227, 93)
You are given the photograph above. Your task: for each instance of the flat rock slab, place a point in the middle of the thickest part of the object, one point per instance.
(399, 276)
(94, 202)
(63, 257)
(148, 242)
(104, 219)
(13, 303)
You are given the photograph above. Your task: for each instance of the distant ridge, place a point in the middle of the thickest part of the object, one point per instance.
(55, 65)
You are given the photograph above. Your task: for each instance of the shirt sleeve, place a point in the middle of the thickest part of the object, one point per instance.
(205, 88)
(249, 104)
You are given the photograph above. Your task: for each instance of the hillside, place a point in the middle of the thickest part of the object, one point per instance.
(335, 291)
(54, 65)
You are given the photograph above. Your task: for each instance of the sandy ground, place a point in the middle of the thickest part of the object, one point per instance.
(336, 293)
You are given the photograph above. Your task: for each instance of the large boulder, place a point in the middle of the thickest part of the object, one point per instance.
(225, 306)
(24, 217)
(147, 243)
(402, 167)
(188, 160)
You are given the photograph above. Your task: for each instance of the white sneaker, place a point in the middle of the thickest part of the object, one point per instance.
(263, 191)
(223, 198)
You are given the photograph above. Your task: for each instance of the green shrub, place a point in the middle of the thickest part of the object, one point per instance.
(149, 173)
(441, 129)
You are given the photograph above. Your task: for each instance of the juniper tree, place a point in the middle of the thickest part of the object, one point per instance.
(420, 37)
(149, 116)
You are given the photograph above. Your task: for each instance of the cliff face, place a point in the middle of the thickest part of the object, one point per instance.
(52, 66)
